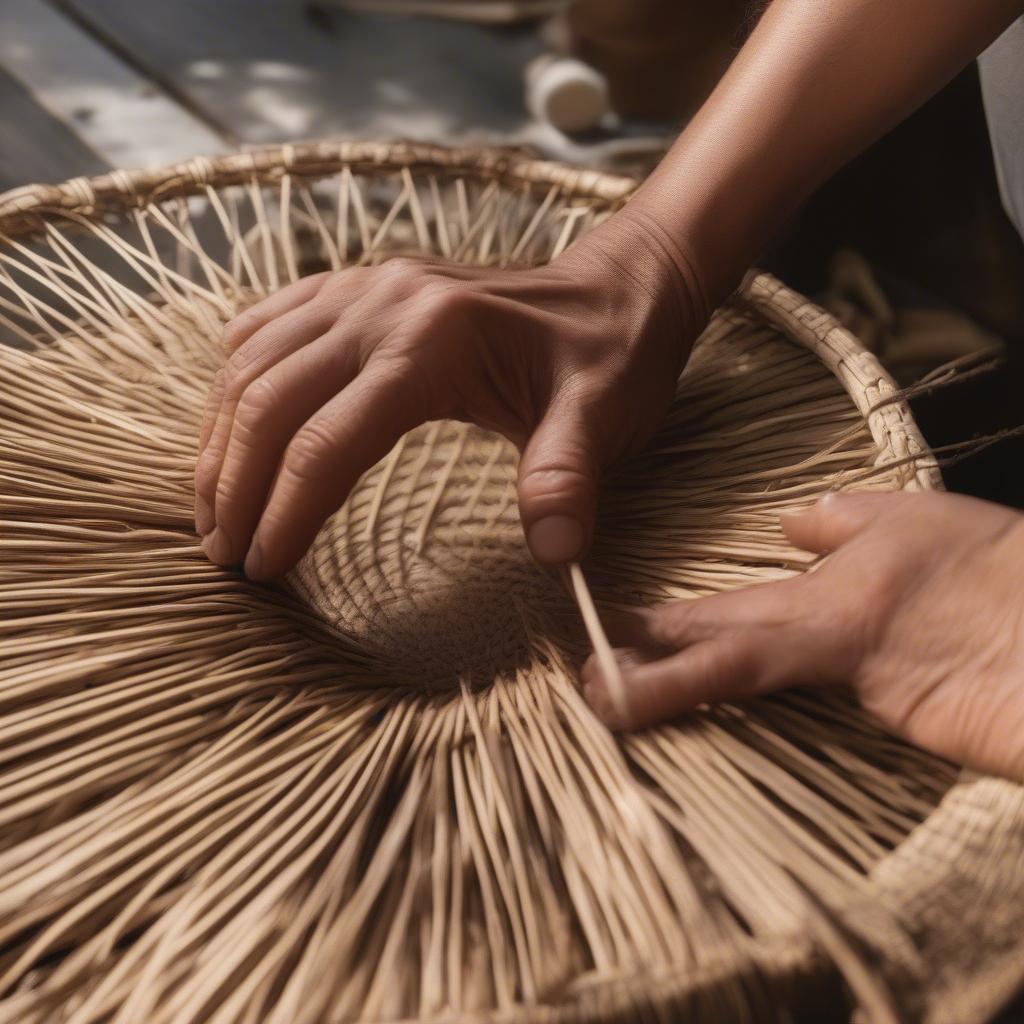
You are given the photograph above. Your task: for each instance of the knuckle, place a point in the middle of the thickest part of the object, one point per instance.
(309, 453)
(406, 382)
(672, 624)
(207, 471)
(237, 329)
(223, 494)
(557, 480)
(257, 401)
(395, 373)
(236, 375)
(440, 299)
(397, 268)
(274, 523)
(337, 284)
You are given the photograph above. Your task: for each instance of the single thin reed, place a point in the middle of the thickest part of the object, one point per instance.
(377, 793)
(598, 639)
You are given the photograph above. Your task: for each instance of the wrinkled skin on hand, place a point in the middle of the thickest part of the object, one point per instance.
(919, 608)
(575, 362)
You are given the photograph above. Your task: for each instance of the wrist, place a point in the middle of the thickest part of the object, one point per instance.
(659, 271)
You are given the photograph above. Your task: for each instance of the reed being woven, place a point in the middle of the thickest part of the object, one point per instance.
(377, 794)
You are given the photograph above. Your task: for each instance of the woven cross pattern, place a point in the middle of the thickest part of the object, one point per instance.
(375, 792)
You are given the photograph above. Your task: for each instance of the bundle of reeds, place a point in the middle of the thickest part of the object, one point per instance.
(376, 793)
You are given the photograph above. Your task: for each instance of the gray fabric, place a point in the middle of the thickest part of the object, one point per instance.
(1002, 85)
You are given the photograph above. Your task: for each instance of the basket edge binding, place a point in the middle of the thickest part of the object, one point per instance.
(865, 380)
(23, 209)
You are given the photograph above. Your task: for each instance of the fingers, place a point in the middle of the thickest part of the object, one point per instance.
(322, 462)
(558, 481)
(729, 646)
(289, 333)
(247, 323)
(709, 672)
(296, 422)
(281, 337)
(838, 518)
(682, 623)
(213, 400)
(268, 415)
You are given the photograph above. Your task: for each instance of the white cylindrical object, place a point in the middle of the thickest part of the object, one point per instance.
(566, 93)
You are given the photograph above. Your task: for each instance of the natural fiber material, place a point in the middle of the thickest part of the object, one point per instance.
(377, 793)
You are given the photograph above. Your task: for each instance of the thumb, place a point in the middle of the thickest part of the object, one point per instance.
(558, 483)
(837, 519)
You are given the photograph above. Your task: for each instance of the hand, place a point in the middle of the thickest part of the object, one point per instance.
(575, 362)
(919, 608)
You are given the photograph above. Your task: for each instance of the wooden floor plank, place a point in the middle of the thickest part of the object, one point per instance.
(271, 73)
(38, 147)
(117, 112)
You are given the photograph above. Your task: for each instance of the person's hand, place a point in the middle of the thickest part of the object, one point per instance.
(575, 362)
(919, 608)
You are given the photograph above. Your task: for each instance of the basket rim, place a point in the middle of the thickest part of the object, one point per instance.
(25, 209)
(871, 388)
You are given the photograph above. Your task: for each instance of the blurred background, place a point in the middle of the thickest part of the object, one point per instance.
(909, 245)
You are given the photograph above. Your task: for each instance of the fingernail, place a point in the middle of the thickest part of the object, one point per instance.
(217, 547)
(204, 517)
(556, 539)
(254, 561)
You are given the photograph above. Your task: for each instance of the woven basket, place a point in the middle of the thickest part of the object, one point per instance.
(376, 793)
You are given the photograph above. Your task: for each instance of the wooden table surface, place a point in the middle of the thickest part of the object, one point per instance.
(91, 84)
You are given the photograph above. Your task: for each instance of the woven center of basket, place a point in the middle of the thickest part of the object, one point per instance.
(425, 567)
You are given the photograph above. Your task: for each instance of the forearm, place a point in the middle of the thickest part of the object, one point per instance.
(816, 83)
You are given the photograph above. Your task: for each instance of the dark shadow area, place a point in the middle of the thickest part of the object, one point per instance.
(922, 206)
